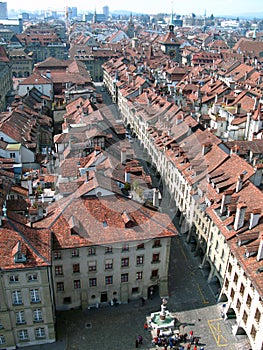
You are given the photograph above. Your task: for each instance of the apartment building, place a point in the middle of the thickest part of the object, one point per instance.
(27, 311)
(106, 246)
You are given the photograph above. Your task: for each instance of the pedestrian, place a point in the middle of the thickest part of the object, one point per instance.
(189, 346)
(191, 336)
(136, 343)
(140, 339)
(171, 342)
(196, 340)
(195, 347)
(145, 326)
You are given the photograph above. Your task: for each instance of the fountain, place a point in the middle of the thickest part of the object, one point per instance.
(162, 319)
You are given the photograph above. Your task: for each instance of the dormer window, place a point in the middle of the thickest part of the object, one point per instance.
(19, 253)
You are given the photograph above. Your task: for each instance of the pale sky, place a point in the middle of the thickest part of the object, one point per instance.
(217, 7)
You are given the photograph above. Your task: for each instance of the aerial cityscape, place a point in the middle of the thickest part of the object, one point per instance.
(131, 175)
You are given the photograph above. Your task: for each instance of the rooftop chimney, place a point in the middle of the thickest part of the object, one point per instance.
(260, 249)
(239, 183)
(240, 216)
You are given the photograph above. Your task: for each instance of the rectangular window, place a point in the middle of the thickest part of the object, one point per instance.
(108, 264)
(108, 280)
(157, 243)
(229, 268)
(124, 277)
(253, 332)
(77, 284)
(92, 266)
(242, 289)
(23, 334)
(257, 315)
(245, 316)
(125, 248)
(34, 296)
(155, 258)
(249, 300)
(139, 259)
(108, 249)
(135, 290)
(67, 300)
(60, 286)
(59, 270)
(76, 268)
(2, 339)
(238, 305)
(154, 274)
(124, 262)
(13, 279)
(16, 297)
(140, 246)
(37, 315)
(91, 251)
(139, 275)
(40, 333)
(32, 277)
(74, 253)
(57, 254)
(93, 282)
(235, 277)
(20, 317)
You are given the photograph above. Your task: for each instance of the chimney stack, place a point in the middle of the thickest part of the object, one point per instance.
(260, 249)
(239, 183)
(240, 216)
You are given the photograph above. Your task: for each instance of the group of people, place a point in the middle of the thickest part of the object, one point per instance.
(174, 342)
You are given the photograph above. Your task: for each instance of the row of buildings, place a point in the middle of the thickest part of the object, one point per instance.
(214, 187)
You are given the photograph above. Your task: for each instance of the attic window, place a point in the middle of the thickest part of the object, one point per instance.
(19, 257)
(19, 252)
(105, 224)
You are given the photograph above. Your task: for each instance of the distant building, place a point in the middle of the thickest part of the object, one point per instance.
(106, 11)
(3, 10)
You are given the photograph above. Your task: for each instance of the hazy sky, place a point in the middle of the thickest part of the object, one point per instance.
(217, 7)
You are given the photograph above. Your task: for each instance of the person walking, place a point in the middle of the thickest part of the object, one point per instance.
(136, 343)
